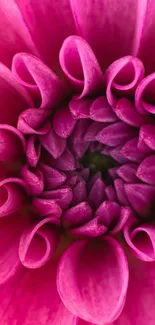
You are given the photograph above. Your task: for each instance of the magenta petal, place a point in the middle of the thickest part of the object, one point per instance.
(49, 24)
(110, 193)
(120, 192)
(141, 239)
(79, 192)
(79, 64)
(80, 107)
(92, 131)
(146, 170)
(91, 229)
(54, 144)
(35, 294)
(119, 22)
(123, 76)
(17, 101)
(97, 193)
(141, 197)
(109, 213)
(94, 295)
(47, 207)
(62, 196)
(101, 111)
(52, 177)
(37, 244)
(12, 143)
(130, 151)
(34, 121)
(126, 111)
(128, 172)
(63, 122)
(144, 96)
(147, 134)
(33, 179)
(108, 134)
(33, 151)
(12, 196)
(77, 215)
(35, 75)
(66, 161)
(11, 229)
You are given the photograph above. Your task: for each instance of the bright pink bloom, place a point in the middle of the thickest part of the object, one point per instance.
(77, 157)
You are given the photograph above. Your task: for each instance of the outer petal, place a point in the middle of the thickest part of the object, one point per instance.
(49, 23)
(107, 25)
(139, 307)
(87, 282)
(34, 294)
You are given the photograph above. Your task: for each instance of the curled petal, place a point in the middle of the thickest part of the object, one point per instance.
(14, 97)
(91, 229)
(33, 150)
(93, 293)
(33, 179)
(37, 244)
(122, 78)
(141, 197)
(141, 239)
(63, 122)
(109, 213)
(36, 76)
(34, 121)
(77, 215)
(62, 196)
(52, 178)
(79, 64)
(144, 96)
(53, 143)
(12, 143)
(12, 196)
(47, 207)
(101, 111)
(108, 134)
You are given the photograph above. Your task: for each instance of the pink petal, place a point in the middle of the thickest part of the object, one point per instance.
(128, 172)
(93, 293)
(113, 35)
(144, 96)
(49, 23)
(12, 144)
(34, 293)
(12, 196)
(62, 196)
(33, 151)
(101, 111)
(52, 177)
(108, 134)
(38, 243)
(130, 151)
(140, 294)
(77, 215)
(141, 239)
(54, 144)
(141, 197)
(80, 66)
(33, 179)
(47, 207)
(126, 111)
(63, 122)
(17, 101)
(34, 121)
(11, 229)
(14, 34)
(122, 78)
(80, 107)
(39, 79)
(146, 170)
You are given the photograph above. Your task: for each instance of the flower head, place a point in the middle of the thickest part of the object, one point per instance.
(77, 156)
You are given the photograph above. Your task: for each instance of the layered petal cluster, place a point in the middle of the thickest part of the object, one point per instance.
(77, 156)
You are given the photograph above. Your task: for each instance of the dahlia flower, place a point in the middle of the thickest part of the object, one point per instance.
(77, 162)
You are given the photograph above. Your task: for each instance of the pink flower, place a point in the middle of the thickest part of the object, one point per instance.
(77, 157)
